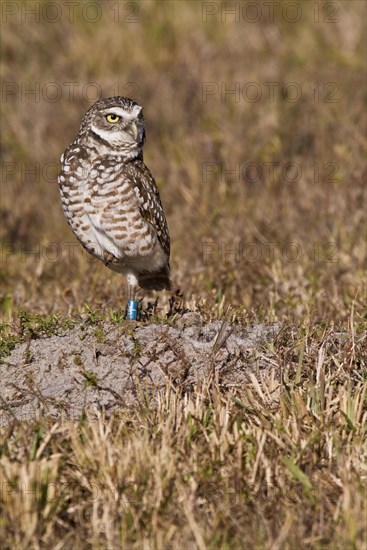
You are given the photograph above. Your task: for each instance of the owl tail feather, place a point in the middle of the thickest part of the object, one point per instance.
(158, 280)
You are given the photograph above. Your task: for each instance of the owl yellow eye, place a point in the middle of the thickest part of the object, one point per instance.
(112, 118)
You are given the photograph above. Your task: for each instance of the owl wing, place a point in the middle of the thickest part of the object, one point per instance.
(150, 205)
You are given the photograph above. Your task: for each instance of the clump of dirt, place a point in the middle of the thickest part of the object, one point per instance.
(114, 366)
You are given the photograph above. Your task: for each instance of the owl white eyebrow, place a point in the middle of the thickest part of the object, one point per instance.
(122, 113)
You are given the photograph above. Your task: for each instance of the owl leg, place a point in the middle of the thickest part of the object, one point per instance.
(132, 304)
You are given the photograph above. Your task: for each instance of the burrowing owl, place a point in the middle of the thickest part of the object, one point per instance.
(111, 200)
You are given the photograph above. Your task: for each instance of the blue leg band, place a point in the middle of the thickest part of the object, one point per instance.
(132, 310)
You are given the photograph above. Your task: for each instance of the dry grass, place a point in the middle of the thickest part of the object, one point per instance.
(283, 463)
(279, 465)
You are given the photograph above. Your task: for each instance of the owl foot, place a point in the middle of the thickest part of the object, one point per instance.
(109, 259)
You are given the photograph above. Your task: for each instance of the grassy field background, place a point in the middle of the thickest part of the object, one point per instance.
(255, 125)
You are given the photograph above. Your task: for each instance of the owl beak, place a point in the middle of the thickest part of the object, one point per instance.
(136, 131)
(132, 129)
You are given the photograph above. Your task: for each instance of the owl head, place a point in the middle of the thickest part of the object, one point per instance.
(116, 121)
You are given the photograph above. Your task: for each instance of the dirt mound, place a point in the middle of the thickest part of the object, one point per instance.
(114, 366)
